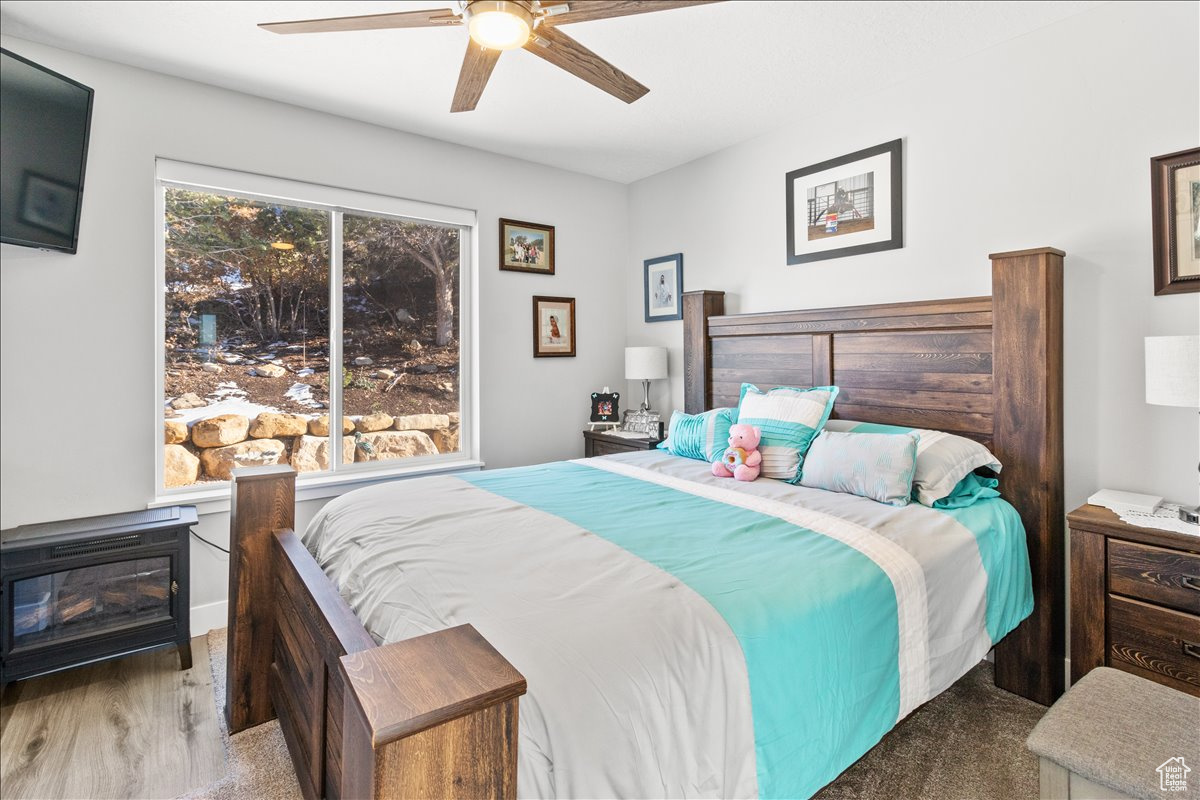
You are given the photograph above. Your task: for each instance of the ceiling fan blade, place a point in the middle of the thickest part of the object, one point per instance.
(584, 10)
(477, 67)
(431, 18)
(564, 52)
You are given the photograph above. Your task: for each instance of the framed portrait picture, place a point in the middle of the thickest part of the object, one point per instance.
(1175, 203)
(847, 205)
(664, 288)
(526, 247)
(553, 326)
(48, 204)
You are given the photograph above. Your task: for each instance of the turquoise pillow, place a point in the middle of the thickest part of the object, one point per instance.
(700, 436)
(970, 489)
(878, 466)
(790, 419)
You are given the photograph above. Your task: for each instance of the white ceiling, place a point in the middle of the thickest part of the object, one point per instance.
(718, 74)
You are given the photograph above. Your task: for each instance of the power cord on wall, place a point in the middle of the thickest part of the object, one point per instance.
(210, 544)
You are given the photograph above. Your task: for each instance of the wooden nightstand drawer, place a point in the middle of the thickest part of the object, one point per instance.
(1155, 643)
(1167, 577)
(596, 443)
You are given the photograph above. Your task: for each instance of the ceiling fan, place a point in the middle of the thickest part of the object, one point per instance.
(498, 25)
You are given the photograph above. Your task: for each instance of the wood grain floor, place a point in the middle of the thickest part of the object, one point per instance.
(136, 727)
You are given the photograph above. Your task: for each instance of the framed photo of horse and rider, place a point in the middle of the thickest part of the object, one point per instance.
(847, 205)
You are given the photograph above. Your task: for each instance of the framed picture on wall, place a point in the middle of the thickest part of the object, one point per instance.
(663, 287)
(553, 327)
(526, 247)
(1175, 203)
(846, 206)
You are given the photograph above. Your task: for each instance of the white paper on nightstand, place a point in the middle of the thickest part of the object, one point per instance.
(1126, 501)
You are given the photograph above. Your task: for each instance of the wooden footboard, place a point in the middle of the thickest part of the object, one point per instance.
(433, 716)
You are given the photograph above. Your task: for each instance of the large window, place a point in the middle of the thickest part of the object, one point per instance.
(287, 307)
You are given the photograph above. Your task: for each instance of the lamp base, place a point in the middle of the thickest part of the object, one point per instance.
(645, 395)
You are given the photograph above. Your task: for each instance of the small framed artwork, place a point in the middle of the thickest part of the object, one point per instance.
(48, 204)
(1175, 203)
(553, 327)
(526, 247)
(664, 288)
(606, 406)
(846, 206)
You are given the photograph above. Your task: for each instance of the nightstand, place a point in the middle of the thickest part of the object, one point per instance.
(596, 443)
(1135, 599)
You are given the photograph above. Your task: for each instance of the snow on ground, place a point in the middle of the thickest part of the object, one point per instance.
(243, 407)
(301, 394)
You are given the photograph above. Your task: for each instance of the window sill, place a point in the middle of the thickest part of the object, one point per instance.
(215, 500)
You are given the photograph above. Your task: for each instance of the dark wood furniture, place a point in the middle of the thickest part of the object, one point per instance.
(433, 716)
(1135, 600)
(598, 443)
(985, 367)
(92, 589)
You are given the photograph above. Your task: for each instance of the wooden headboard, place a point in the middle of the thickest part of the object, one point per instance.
(985, 367)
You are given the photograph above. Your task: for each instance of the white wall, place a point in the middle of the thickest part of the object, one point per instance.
(77, 332)
(1045, 140)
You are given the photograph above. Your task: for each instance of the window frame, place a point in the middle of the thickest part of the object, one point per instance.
(336, 201)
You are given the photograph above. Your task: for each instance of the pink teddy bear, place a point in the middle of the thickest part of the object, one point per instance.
(741, 459)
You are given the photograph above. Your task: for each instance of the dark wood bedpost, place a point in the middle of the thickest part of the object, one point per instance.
(1027, 331)
(263, 500)
(432, 716)
(698, 306)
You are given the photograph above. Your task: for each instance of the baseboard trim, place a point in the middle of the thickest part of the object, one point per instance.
(209, 617)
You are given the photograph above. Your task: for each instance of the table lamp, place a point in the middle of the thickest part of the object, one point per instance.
(645, 364)
(1173, 379)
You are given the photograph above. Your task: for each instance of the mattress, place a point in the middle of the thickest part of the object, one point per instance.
(684, 635)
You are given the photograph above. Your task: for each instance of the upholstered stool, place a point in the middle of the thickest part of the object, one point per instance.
(1114, 735)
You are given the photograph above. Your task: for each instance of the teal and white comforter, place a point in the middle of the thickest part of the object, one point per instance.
(684, 635)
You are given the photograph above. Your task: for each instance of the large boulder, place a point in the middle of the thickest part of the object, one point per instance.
(422, 422)
(180, 467)
(269, 425)
(268, 371)
(175, 431)
(219, 462)
(446, 439)
(311, 453)
(189, 400)
(373, 422)
(320, 425)
(220, 430)
(386, 445)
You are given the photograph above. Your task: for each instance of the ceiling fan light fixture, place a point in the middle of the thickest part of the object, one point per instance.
(499, 24)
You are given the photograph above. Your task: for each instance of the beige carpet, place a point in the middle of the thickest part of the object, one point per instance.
(966, 744)
(257, 762)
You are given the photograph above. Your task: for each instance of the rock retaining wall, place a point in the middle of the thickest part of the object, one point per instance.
(212, 448)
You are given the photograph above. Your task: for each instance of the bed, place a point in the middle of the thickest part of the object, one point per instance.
(670, 628)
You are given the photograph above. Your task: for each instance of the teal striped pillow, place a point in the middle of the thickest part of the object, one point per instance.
(700, 436)
(789, 419)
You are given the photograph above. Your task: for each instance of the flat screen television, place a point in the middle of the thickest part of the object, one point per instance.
(45, 119)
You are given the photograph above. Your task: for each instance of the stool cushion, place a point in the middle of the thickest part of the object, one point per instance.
(1116, 729)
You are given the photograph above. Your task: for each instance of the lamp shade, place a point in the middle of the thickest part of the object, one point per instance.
(1173, 371)
(645, 363)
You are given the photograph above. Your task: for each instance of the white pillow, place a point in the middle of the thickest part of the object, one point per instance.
(943, 459)
(878, 466)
